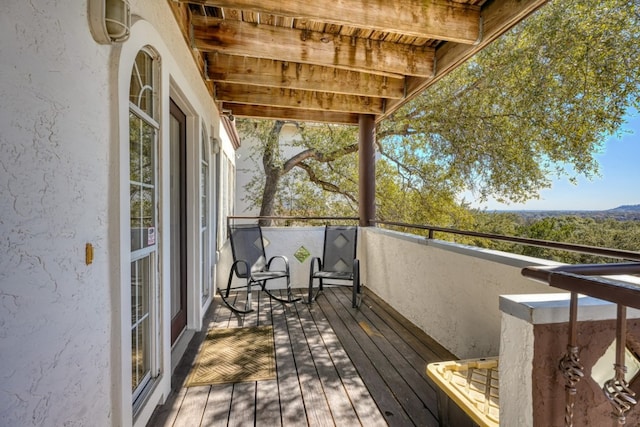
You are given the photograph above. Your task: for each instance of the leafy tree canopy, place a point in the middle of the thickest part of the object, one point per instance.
(541, 98)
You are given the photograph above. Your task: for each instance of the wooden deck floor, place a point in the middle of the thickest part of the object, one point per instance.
(335, 366)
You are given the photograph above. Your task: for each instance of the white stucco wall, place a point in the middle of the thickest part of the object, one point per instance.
(55, 311)
(515, 371)
(65, 326)
(451, 291)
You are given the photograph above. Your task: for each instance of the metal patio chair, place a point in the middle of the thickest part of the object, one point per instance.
(250, 263)
(338, 262)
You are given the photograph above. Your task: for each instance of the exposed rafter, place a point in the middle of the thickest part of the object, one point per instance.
(310, 47)
(434, 19)
(289, 98)
(269, 72)
(333, 60)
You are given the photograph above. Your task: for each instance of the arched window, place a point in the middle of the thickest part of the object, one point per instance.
(143, 172)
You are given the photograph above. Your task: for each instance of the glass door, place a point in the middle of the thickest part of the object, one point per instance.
(178, 203)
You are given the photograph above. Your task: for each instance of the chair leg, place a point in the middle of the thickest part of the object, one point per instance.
(289, 298)
(225, 295)
(356, 299)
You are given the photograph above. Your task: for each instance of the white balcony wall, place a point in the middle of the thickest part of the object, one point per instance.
(451, 291)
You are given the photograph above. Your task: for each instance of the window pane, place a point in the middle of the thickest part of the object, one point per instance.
(141, 85)
(204, 196)
(148, 136)
(134, 147)
(141, 281)
(148, 217)
(135, 201)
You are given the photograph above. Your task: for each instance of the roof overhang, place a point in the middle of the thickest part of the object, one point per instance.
(332, 61)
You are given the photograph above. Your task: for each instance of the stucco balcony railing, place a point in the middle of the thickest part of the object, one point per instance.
(476, 303)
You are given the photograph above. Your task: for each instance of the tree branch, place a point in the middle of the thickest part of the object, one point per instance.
(327, 186)
(318, 156)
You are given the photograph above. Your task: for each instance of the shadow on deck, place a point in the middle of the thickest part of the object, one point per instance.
(335, 366)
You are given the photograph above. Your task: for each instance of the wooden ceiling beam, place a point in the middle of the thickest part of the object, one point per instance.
(289, 98)
(307, 47)
(434, 19)
(290, 114)
(267, 72)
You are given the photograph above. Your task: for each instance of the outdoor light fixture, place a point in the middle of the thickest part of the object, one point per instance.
(109, 20)
(228, 114)
(215, 144)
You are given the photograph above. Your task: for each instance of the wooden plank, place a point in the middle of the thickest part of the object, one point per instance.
(291, 402)
(389, 366)
(267, 394)
(218, 405)
(339, 404)
(290, 98)
(363, 403)
(407, 363)
(439, 19)
(243, 404)
(302, 46)
(166, 414)
(290, 114)
(315, 402)
(193, 406)
(269, 72)
(384, 397)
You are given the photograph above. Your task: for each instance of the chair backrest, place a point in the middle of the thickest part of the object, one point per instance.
(247, 244)
(339, 248)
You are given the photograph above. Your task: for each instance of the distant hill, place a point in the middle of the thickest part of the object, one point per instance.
(621, 213)
(626, 208)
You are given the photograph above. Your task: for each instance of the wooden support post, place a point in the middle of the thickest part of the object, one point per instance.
(367, 169)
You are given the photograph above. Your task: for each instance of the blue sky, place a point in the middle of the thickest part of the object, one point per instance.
(618, 183)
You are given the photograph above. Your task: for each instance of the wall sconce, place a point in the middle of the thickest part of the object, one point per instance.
(229, 115)
(215, 144)
(109, 20)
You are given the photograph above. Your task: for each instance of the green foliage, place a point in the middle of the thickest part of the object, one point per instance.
(596, 232)
(539, 99)
(537, 102)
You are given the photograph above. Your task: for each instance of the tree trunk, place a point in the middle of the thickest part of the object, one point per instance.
(272, 170)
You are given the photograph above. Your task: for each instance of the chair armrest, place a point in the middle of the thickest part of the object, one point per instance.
(315, 260)
(234, 267)
(280, 257)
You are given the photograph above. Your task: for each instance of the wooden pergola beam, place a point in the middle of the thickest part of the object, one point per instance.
(289, 98)
(308, 47)
(292, 114)
(268, 72)
(433, 19)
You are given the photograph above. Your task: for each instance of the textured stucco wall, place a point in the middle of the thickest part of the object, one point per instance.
(55, 311)
(450, 291)
(515, 370)
(64, 326)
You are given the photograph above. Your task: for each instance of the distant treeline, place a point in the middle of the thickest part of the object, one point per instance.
(592, 230)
